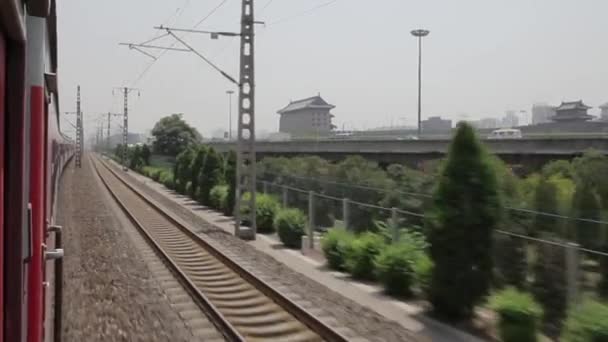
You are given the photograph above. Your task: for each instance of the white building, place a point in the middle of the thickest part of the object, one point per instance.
(307, 117)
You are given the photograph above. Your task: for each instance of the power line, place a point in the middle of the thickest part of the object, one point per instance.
(162, 53)
(303, 13)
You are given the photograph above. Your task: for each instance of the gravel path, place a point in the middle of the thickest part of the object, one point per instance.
(345, 312)
(109, 292)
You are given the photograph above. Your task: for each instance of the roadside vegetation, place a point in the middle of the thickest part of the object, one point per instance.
(463, 250)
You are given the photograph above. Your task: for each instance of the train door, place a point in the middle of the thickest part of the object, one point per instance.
(2, 166)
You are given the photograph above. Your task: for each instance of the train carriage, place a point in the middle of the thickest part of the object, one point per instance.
(33, 153)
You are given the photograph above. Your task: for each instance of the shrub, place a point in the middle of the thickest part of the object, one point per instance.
(519, 315)
(423, 272)
(290, 224)
(466, 210)
(361, 254)
(334, 247)
(266, 208)
(230, 177)
(188, 188)
(166, 178)
(155, 174)
(217, 196)
(587, 323)
(395, 268)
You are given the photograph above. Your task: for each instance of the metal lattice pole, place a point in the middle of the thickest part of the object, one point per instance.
(78, 129)
(245, 171)
(125, 128)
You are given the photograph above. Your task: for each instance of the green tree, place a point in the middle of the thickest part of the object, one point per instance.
(466, 209)
(592, 167)
(173, 135)
(195, 168)
(559, 167)
(181, 169)
(366, 176)
(603, 286)
(586, 206)
(230, 178)
(545, 202)
(145, 154)
(510, 261)
(549, 286)
(209, 176)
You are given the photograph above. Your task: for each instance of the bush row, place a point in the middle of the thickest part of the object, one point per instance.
(520, 316)
(399, 266)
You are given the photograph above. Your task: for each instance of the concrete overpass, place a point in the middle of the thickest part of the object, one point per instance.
(531, 152)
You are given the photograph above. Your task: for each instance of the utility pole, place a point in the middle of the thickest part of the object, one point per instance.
(245, 168)
(79, 137)
(125, 125)
(245, 157)
(420, 33)
(229, 92)
(108, 130)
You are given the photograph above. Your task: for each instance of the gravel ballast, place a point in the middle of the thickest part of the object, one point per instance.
(109, 294)
(363, 322)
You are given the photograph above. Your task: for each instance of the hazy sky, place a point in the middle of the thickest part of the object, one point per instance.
(482, 57)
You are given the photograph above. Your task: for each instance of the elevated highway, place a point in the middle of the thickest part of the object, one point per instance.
(528, 151)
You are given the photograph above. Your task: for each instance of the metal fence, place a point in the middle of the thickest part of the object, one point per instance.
(578, 269)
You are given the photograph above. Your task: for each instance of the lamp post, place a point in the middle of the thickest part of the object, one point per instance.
(229, 92)
(420, 33)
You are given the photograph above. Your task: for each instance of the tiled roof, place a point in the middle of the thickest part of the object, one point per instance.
(311, 102)
(572, 105)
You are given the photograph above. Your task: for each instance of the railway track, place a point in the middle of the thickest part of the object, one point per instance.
(242, 306)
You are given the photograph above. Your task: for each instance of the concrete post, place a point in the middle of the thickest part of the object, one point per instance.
(394, 225)
(345, 212)
(285, 194)
(311, 219)
(572, 272)
(265, 184)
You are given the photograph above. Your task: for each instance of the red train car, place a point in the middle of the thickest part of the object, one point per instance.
(33, 153)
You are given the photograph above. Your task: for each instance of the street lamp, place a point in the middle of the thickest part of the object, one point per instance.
(420, 33)
(229, 92)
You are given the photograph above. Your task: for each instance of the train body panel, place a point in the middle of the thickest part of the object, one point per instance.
(33, 154)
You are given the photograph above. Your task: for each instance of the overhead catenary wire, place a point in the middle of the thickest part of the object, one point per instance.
(302, 13)
(162, 53)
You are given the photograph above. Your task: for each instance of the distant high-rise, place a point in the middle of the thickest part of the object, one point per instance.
(604, 114)
(510, 119)
(436, 125)
(541, 113)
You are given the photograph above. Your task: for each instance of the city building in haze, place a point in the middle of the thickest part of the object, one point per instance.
(541, 113)
(436, 125)
(307, 117)
(604, 114)
(510, 120)
(487, 123)
(571, 112)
